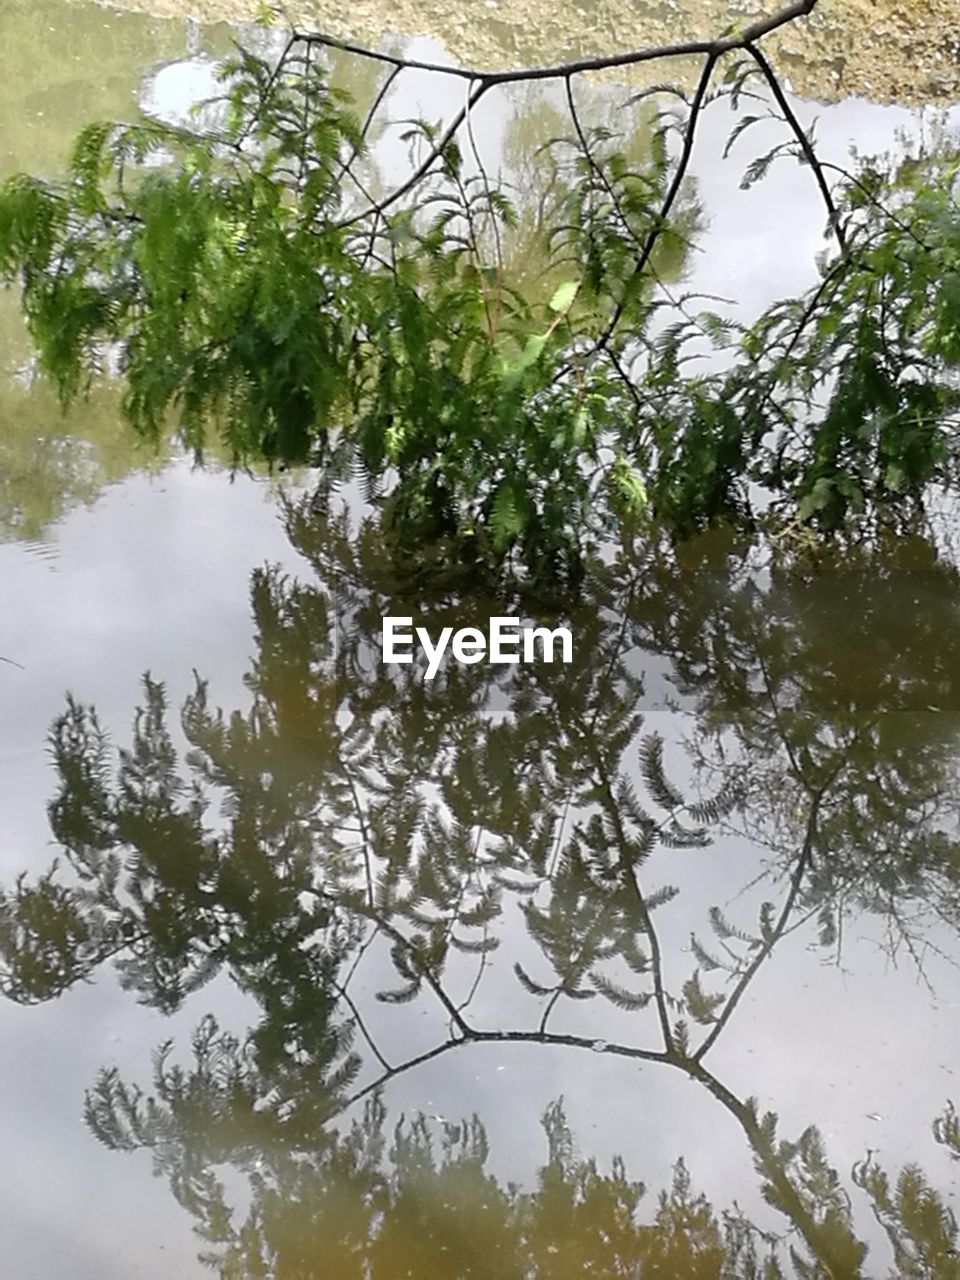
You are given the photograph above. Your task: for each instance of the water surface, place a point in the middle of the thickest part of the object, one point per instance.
(321, 868)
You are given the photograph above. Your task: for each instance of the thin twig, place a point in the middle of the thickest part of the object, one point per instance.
(670, 198)
(804, 861)
(344, 994)
(554, 1038)
(804, 142)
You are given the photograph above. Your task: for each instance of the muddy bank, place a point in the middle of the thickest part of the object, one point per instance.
(887, 50)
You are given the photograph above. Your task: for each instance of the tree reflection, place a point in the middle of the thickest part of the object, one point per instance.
(49, 462)
(357, 821)
(835, 678)
(412, 1199)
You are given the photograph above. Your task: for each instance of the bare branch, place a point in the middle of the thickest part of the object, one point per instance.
(604, 62)
(804, 142)
(670, 198)
(711, 50)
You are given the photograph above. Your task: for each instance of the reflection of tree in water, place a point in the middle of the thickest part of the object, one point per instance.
(49, 463)
(410, 1199)
(567, 164)
(850, 663)
(356, 818)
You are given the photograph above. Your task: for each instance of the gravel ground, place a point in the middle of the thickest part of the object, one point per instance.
(879, 49)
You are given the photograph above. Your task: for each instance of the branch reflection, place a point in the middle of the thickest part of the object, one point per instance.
(358, 837)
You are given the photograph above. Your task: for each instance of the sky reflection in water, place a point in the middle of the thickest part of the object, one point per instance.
(845, 682)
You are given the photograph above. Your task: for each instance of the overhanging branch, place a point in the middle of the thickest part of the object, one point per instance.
(603, 62)
(480, 82)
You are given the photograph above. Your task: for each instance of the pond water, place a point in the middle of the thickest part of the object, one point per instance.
(347, 897)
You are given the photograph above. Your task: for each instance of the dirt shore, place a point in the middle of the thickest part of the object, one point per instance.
(886, 50)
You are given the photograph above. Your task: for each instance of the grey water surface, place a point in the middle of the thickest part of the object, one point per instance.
(116, 562)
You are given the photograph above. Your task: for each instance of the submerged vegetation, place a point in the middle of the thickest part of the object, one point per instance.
(260, 287)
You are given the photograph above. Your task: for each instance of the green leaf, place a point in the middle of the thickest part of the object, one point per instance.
(506, 517)
(620, 996)
(651, 768)
(819, 497)
(757, 169)
(562, 299)
(574, 432)
(628, 489)
(532, 351)
(894, 478)
(702, 1005)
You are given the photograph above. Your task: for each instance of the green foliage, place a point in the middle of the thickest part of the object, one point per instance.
(257, 292)
(702, 1006)
(917, 1219)
(415, 1198)
(250, 298)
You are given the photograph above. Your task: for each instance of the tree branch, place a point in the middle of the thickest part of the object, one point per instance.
(804, 142)
(711, 50)
(604, 62)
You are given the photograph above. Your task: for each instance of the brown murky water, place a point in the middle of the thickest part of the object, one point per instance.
(642, 965)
